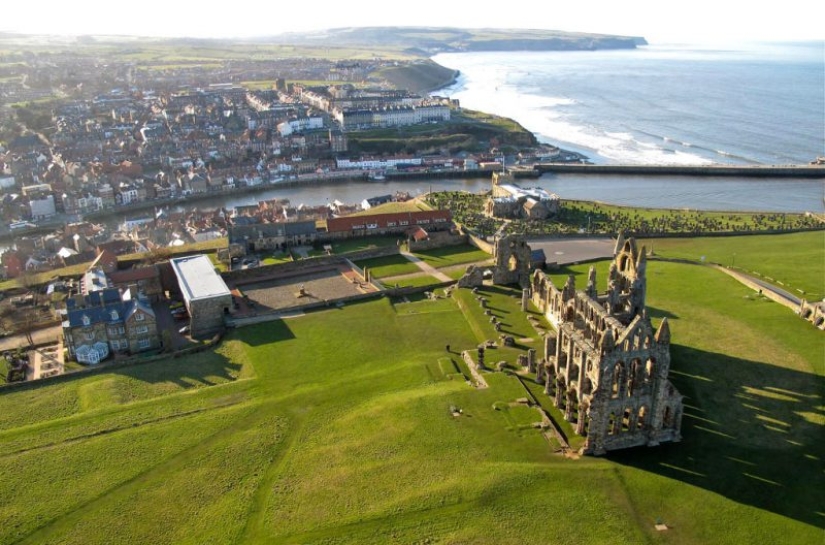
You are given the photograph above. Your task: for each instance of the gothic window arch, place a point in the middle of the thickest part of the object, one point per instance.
(587, 386)
(627, 420)
(641, 418)
(667, 420)
(618, 385)
(650, 369)
(635, 377)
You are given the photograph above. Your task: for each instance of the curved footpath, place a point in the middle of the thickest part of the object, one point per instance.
(767, 289)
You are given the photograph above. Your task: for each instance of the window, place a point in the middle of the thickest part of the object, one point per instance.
(114, 315)
(372, 226)
(404, 222)
(86, 320)
(391, 224)
(139, 316)
(89, 336)
(143, 343)
(142, 329)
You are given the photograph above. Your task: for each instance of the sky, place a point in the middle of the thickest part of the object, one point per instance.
(695, 21)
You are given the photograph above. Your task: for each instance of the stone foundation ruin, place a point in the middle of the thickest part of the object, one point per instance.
(606, 367)
(512, 264)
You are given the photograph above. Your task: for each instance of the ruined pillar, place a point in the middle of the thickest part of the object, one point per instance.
(540, 372)
(531, 360)
(522, 360)
(525, 299)
(581, 419)
(569, 406)
(559, 392)
(549, 346)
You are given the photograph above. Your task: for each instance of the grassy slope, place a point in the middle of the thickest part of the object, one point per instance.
(336, 438)
(795, 260)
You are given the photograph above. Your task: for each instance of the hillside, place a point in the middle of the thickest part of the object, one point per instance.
(429, 40)
(419, 77)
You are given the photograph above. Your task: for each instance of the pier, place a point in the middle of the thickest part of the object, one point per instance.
(746, 171)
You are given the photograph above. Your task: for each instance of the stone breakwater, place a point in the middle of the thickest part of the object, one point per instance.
(751, 171)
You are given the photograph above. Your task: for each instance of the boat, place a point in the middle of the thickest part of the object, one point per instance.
(376, 177)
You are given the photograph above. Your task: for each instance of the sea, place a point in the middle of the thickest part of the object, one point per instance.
(674, 104)
(681, 104)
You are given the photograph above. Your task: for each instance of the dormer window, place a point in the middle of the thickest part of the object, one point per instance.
(86, 320)
(139, 316)
(114, 315)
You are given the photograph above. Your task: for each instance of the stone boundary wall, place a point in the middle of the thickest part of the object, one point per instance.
(480, 243)
(285, 270)
(438, 240)
(724, 233)
(117, 364)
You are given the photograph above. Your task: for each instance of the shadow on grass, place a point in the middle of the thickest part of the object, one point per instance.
(267, 332)
(658, 313)
(201, 369)
(752, 432)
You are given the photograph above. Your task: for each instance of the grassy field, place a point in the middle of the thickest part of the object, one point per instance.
(794, 261)
(393, 265)
(312, 430)
(453, 255)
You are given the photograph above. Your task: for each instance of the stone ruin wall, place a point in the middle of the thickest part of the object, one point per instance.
(605, 367)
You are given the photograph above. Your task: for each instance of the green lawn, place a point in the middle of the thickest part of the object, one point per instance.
(392, 265)
(366, 243)
(793, 261)
(453, 255)
(416, 280)
(336, 427)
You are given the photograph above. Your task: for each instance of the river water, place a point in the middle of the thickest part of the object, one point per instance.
(678, 192)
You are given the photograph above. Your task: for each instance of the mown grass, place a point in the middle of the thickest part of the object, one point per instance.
(336, 427)
(794, 261)
(392, 265)
(415, 281)
(452, 255)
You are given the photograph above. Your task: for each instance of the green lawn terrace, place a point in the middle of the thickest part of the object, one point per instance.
(339, 426)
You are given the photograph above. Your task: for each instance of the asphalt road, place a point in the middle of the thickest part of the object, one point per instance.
(575, 250)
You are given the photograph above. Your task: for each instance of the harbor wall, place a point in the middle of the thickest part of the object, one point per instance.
(748, 171)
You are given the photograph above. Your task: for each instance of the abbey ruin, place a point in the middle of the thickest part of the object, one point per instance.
(605, 366)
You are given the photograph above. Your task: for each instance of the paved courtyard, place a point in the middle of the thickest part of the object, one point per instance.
(574, 250)
(286, 293)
